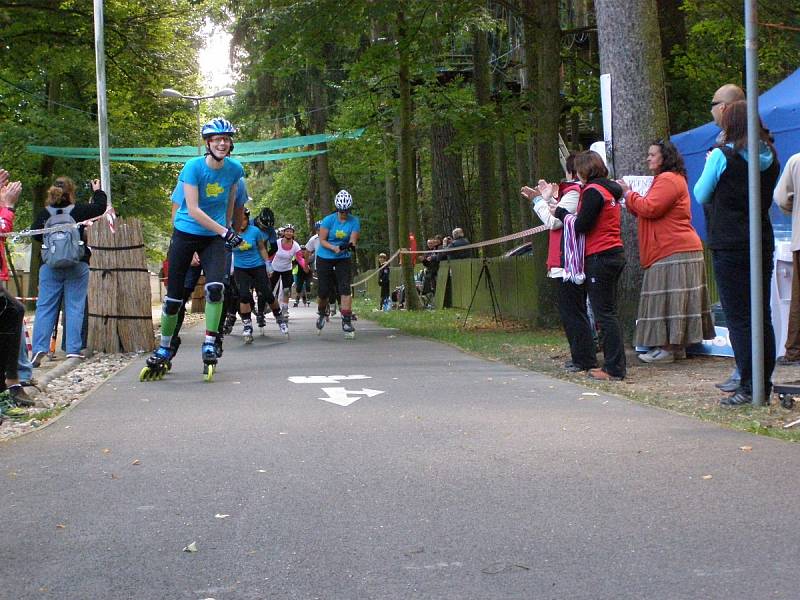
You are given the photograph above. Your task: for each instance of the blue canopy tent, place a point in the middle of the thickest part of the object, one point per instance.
(780, 110)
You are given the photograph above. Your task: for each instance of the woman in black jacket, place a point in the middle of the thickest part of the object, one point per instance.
(73, 281)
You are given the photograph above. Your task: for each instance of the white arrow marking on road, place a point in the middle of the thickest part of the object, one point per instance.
(324, 378)
(342, 396)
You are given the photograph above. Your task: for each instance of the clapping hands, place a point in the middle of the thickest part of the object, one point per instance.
(9, 191)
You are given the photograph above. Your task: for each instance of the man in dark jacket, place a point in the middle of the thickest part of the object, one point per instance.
(458, 241)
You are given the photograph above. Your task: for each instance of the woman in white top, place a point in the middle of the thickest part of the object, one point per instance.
(288, 249)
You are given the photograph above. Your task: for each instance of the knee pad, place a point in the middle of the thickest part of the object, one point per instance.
(215, 292)
(171, 306)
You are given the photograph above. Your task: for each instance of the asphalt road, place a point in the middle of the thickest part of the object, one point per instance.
(462, 479)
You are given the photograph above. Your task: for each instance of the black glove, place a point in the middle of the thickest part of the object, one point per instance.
(347, 246)
(232, 239)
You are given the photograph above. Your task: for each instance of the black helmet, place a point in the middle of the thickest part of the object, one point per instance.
(265, 219)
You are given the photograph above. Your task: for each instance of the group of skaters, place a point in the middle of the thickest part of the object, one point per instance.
(213, 234)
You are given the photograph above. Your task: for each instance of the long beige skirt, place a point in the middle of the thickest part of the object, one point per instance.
(673, 305)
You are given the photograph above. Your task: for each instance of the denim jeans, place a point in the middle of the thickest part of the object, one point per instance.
(73, 282)
(24, 366)
(732, 272)
(603, 271)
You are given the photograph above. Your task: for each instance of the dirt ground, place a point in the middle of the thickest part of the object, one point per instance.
(687, 386)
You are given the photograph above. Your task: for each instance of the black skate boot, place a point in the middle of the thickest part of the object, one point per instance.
(347, 327)
(209, 353)
(156, 366)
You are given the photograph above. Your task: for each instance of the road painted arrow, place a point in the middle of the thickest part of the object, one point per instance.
(344, 397)
(325, 378)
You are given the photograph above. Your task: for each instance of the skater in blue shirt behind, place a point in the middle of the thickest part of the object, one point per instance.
(338, 236)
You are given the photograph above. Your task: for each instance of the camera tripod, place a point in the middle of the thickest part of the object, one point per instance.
(485, 272)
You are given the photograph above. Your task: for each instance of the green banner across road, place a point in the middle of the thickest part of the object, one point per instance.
(244, 151)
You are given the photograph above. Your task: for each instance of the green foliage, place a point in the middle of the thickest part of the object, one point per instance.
(48, 94)
(714, 54)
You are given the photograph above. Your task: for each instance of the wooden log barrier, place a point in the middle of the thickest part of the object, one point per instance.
(120, 303)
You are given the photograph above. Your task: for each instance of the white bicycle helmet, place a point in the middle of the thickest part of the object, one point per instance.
(343, 200)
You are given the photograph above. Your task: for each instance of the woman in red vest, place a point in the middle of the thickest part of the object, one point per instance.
(598, 220)
(673, 306)
(571, 296)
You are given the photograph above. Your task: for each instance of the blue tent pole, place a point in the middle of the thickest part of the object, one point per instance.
(754, 183)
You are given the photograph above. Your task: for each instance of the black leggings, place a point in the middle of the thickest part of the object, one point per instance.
(11, 315)
(254, 277)
(212, 253)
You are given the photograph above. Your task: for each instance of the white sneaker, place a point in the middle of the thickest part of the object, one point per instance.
(659, 355)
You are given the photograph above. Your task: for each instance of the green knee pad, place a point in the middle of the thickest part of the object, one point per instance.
(213, 314)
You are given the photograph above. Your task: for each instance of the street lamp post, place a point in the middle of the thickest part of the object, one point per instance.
(170, 93)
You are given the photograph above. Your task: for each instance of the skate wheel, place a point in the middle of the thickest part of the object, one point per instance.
(144, 374)
(208, 373)
(169, 365)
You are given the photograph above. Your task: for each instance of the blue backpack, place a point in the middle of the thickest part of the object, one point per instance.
(61, 249)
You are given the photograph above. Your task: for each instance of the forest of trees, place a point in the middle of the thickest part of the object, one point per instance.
(463, 101)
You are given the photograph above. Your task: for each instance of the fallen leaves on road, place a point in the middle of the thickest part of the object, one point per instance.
(191, 547)
(136, 462)
(221, 516)
(106, 450)
(708, 477)
(61, 526)
(501, 567)
(745, 448)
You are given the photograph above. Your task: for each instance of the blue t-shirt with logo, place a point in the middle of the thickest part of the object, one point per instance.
(213, 189)
(338, 234)
(246, 254)
(241, 193)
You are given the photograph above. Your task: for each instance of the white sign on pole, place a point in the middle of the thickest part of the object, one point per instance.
(605, 103)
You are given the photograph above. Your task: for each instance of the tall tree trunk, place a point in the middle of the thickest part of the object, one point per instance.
(523, 178)
(487, 188)
(548, 90)
(632, 55)
(672, 25)
(530, 72)
(312, 203)
(406, 159)
(319, 121)
(505, 183)
(447, 180)
(39, 192)
(392, 200)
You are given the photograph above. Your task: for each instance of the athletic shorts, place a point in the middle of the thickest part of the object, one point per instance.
(253, 278)
(334, 275)
(285, 277)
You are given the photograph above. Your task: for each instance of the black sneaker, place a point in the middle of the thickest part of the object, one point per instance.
(740, 398)
(19, 397)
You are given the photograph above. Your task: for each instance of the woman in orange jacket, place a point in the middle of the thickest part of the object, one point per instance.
(674, 308)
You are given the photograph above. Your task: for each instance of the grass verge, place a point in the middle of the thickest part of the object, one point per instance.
(685, 387)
